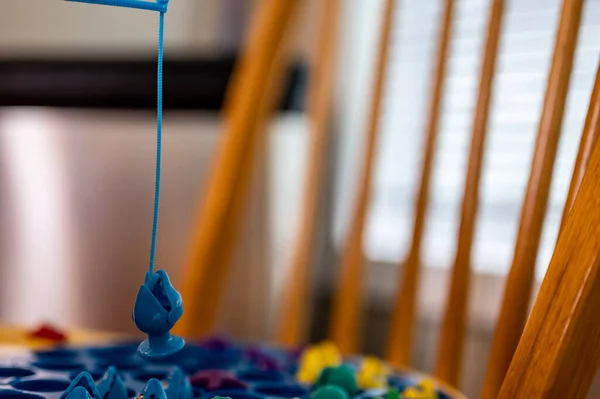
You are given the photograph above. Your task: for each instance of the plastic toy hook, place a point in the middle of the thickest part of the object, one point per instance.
(158, 5)
(157, 308)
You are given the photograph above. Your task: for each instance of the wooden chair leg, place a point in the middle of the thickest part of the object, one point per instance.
(400, 338)
(453, 327)
(249, 103)
(291, 327)
(347, 301)
(591, 132)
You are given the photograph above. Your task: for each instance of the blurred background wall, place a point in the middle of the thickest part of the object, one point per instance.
(76, 183)
(53, 28)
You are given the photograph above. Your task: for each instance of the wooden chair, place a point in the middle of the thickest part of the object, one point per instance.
(551, 352)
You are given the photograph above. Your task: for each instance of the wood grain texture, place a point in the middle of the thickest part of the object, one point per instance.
(291, 328)
(248, 105)
(347, 301)
(589, 137)
(517, 293)
(401, 330)
(558, 354)
(450, 354)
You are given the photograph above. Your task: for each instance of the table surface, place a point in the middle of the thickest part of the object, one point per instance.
(15, 339)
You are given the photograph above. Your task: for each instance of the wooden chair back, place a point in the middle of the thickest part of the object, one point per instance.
(562, 322)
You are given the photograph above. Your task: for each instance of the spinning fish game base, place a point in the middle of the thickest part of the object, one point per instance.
(216, 367)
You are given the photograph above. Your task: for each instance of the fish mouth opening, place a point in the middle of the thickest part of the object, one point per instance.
(160, 294)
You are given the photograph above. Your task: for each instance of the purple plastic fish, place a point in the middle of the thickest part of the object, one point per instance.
(260, 359)
(214, 380)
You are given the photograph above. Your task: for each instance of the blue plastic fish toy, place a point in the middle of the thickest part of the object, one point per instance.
(157, 308)
(111, 386)
(82, 387)
(179, 386)
(153, 390)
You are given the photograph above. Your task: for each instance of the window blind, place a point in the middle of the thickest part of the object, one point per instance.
(526, 47)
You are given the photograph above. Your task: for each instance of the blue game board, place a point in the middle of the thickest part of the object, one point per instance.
(214, 368)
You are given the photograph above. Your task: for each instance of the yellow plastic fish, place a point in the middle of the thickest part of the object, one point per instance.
(315, 359)
(331, 354)
(425, 389)
(372, 373)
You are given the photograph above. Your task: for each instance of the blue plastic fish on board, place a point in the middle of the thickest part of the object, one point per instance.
(157, 308)
(153, 390)
(111, 386)
(82, 387)
(179, 385)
